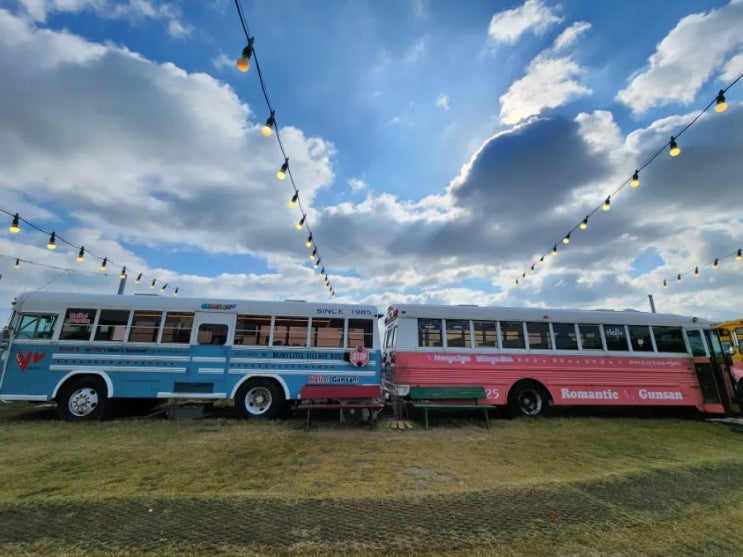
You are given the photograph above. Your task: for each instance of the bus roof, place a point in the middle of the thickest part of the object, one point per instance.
(615, 317)
(59, 301)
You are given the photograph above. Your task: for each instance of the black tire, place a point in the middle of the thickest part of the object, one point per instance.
(527, 399)
(260, 398)
(82, 400)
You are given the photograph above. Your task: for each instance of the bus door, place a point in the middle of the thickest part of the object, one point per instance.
(715, 374)
(211, 342)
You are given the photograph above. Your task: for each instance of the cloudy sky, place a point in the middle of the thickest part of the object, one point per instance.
(439, 149)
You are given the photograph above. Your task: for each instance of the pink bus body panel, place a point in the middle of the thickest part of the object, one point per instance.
(571, 380)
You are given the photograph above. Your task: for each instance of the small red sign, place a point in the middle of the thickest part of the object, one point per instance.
(359, 356)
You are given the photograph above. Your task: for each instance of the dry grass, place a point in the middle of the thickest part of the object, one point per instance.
(45, 461)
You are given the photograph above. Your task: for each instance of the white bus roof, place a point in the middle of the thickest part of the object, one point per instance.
(597, 316)
(58, 301)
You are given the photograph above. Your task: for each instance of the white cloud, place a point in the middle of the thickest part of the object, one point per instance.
(507, 26)
(685, 59)
(548, 83)
(442, 101)
(357, 184)
(550, 80)
(131, 10)
(733, 68)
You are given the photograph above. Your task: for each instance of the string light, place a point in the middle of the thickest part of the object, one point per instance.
(81, 254)
(243, 63)
(293, 200)
(281, 174)
(138, 279)
(17, 263)
(739, 256)
(635, 179)
(103, 264)
(122, 275)
(317, 263)
(164, 287)
(271, 124)
(15, 225)
(673, 149)
(308, 243)
(714, 265)
(678, 278)
(313, 254)
(665, 284)
(566, 239)
(267, 127)
(175, 292)
(52, 243)
(720, 104)
(696, 272)
(554, 250)
(152, 284)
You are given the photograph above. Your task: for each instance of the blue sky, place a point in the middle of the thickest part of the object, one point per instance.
(440, 149)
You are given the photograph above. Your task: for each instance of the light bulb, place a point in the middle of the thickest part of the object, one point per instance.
(721, 105)
(635, 179)
(15, 225)
(674, 149)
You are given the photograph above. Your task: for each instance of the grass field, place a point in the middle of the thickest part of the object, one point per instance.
(565, 485)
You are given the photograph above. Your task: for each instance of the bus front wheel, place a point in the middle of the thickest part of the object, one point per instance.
(260, 398)
(527, 399)
(82, 399)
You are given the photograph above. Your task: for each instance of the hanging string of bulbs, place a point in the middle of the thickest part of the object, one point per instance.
(715, 265)
(271, 125)
(55, 239)
(674, 150)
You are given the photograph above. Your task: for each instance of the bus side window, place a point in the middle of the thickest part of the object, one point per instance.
(695, 343)
(36, 326)
(429, 332)
(78, 324)
(212, 333)
(616, 337)
(112, 324)
(361, 333)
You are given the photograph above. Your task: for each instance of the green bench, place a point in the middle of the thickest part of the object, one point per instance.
(449, 397)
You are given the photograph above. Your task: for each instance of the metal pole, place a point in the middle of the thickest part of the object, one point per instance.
(652, 304)
(122, 284)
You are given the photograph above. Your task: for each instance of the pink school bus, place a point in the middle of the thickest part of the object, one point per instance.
(529, 358)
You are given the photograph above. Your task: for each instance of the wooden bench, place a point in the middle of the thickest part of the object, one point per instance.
(449, 397)
(320, 397)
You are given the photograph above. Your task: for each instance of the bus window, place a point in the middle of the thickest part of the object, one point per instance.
(616, 337)
(695, 342)
(639, 336)
(429, 332)
(253, 330)
(486, 333)
(391, 334)
(590, 337)
(78, 324)
(565, 337)
(458, 333)
(290, 331)
(36, 326)
(112, 324)
(669, 339)
(177, 328)
(211, 333)
(145, 326)
(539, 336)
(327, 333)
(512, 334)
(361, 333)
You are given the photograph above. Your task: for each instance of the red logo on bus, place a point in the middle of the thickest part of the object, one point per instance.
(359, 356)
(24, 359)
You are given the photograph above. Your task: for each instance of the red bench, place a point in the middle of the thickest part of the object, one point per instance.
(321, 397)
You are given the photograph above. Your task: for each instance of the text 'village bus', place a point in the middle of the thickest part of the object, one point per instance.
(83, 350)
(528, 357)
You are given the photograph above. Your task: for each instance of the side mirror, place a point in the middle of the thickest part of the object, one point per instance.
(731, 350)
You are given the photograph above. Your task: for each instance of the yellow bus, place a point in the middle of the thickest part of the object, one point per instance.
(731, 335)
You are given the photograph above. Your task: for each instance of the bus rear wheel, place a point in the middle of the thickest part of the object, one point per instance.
(260, 398)
(82, 399)
(527, 399)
